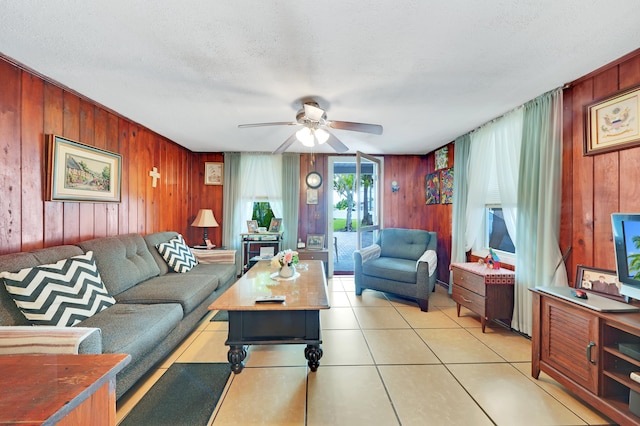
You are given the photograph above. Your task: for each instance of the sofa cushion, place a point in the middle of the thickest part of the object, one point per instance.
(226, 272)
(61, 294)
(123, 261)
(134, 329)
(13, 262)
(403, 243)
(390, 268)
(152, 241)
(177, 254)
(186, 289)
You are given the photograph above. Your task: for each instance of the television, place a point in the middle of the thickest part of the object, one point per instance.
(626, 240)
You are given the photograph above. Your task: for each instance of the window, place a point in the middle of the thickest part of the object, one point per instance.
(497, 236)
(262, 213)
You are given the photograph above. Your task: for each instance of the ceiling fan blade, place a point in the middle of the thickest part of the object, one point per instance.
(313, 113)
(282, 148)
(375, 129)
(335, 143)
(276, 123)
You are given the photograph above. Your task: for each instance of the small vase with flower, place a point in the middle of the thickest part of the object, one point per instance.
(286, 261)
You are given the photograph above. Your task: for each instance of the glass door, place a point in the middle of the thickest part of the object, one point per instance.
(368, 199)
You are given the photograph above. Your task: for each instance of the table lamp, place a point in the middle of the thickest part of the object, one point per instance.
(205, 219)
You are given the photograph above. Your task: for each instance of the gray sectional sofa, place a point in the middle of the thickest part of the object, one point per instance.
(155, 307)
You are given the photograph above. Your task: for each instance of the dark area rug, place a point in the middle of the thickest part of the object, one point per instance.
(186, 394)
(221, 316)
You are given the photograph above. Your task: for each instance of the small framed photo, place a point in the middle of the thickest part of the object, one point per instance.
(599, 281)
(213, 173)
(312, 196)
(275, 225)
(252, 226)
(315, 241)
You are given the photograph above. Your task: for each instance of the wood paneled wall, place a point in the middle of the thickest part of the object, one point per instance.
(596, 186)
(403, 209)
(30, 108)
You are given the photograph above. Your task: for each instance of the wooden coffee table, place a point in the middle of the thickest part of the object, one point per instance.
(296, 321)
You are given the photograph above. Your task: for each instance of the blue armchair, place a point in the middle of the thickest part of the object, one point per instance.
(403, 262)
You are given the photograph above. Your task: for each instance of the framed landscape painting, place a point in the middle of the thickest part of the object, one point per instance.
(78, 172)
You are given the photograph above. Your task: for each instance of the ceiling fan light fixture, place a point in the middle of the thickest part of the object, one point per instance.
(305, 136)
(321, 135)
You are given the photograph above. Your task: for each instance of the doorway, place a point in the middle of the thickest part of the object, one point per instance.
(350, 206)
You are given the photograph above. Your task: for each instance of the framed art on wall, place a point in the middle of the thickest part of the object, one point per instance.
(433, 188)
(213, 173)
(442, 158)
(446, 184)
(612, 123)
(600, 281)
(78, 172)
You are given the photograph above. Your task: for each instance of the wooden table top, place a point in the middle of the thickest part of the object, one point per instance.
(42, 389)
(306, 292)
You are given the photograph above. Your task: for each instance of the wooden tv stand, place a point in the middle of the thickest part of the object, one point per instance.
(578, 347)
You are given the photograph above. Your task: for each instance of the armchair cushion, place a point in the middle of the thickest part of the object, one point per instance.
(391, 268)
(403, 243)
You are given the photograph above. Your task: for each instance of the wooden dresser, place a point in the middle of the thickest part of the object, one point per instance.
(316, 255)
(487, 292)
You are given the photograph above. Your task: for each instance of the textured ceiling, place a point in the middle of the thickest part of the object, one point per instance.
(427, 70)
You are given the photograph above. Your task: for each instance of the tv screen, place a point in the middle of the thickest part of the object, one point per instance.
(626, 239)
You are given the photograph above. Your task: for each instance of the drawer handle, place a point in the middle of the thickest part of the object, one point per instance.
(589, 346)
(466, 300)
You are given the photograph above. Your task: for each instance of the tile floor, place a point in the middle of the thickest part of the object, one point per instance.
(385, 363)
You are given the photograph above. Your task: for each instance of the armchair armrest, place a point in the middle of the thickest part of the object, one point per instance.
(49, 340)
(431, 258)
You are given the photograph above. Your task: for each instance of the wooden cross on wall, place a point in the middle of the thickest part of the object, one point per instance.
(155, 175)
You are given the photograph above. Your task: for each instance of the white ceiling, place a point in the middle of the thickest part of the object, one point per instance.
(427, 70)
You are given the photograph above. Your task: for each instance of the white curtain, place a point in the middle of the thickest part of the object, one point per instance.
(495, 148)
(231, 221)
(261, 180)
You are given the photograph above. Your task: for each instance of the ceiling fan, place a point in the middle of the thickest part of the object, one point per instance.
(315, 125)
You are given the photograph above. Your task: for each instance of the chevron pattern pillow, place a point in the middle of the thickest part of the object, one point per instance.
(177, 254)
(61, 294)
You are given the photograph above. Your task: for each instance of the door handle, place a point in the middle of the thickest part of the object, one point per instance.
(589, 347)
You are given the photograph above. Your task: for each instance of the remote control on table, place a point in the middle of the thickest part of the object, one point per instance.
(270, 299)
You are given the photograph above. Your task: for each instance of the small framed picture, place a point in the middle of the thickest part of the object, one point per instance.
(315, 241)
(312, 196)
(275, 225)
(252, 226)
(599, 281)
(213, 173)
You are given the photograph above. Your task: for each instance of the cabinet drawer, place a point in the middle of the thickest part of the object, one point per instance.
(314, 255)
(469, 281)
(469, 299)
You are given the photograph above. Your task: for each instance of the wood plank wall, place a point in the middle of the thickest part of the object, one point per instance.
(596, 186)
(403, 209)
(30, 108)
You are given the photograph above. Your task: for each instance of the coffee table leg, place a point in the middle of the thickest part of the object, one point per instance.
(236, 356)
(313, 353)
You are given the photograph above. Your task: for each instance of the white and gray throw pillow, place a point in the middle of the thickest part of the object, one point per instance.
(177, 254)
(60, 294)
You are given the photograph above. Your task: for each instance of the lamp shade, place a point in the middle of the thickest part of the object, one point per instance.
(205, 219)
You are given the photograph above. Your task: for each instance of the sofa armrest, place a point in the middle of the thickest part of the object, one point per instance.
(50, 340)
(431, 258)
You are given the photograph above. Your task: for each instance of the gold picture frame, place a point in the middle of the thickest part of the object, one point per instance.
(213, 173)
(79, 172)
(612, 123)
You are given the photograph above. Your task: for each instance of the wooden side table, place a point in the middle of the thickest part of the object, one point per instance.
(316, 255)
(60, 389)
(487, 292)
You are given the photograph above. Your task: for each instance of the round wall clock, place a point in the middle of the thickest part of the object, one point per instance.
(314, 180)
